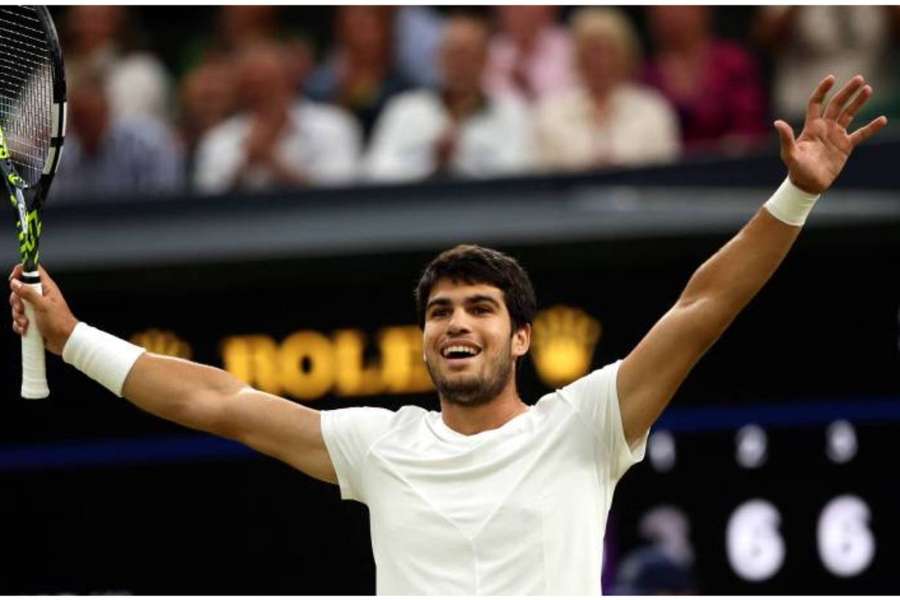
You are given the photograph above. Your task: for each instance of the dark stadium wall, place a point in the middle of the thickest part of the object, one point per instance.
(99, 496)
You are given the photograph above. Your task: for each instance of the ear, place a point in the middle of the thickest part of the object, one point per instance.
(521, 341)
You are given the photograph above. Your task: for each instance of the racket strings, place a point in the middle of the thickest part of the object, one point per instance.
(26, 90)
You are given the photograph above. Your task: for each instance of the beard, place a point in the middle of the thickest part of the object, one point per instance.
(474, 390)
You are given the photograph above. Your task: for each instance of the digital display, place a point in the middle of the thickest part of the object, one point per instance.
(781, 509)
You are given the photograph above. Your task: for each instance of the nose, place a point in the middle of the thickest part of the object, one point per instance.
(458, 323)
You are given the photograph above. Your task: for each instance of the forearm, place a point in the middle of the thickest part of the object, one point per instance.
(714, 296)
(178, 390)
(727, 282)
(181, 391)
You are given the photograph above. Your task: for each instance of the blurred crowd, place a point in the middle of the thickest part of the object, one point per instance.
(411, 93)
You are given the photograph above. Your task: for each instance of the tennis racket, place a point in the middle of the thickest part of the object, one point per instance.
(32, 128)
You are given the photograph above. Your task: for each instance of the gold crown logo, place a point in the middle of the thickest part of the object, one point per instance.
(160, 341)
(563, 342)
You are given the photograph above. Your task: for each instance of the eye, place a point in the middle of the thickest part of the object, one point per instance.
(482, 309)
(437, 313)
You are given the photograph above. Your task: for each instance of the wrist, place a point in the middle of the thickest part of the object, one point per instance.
(791, 204)
(65, 332)
(101, 356)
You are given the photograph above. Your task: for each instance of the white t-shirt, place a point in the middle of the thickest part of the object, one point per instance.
(516, 510)
(497, 140)
(321, 142)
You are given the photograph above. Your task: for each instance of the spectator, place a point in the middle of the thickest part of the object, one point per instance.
(811, 41)
(715, 85)
(607, 119)
(242, 26)
(107, 155)
(276, 141)
(531, 55)
(358, 74)
(649, 570)
(99, 39)
(237, 27)
(207, 99)
(417, 35)
(459, 130)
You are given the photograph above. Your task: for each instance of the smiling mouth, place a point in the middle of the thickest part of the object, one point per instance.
(459, 353)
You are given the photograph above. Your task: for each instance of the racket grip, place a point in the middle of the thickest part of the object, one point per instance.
(34, 373)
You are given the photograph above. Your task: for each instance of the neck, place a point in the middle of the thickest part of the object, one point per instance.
(469, 420)
(274, 108)
(461, 102)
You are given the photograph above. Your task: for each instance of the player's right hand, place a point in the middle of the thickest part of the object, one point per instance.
(54, 319)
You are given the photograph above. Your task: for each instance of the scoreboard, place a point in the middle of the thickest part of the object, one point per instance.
(768, 510)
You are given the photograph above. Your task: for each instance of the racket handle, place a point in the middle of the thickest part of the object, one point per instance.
(34, 373)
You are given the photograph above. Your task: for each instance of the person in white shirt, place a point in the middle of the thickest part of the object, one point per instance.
(277, 141)
(606, 120)
(490, 495)
(458, 130)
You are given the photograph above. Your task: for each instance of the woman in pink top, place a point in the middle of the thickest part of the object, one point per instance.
(714, 85)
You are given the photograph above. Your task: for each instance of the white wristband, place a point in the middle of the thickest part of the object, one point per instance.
(101, 356)
(790, 204)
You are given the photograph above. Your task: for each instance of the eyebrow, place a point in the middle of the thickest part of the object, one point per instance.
(475, 299)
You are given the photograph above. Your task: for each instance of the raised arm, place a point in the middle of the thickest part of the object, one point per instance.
(650, 375)
(193, 395)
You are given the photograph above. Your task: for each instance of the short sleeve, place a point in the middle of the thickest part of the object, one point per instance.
(349, 434)
(596, 398)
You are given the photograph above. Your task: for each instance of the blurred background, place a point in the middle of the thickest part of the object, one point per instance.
(259, 187)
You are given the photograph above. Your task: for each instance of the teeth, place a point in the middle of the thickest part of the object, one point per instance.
(466, 349)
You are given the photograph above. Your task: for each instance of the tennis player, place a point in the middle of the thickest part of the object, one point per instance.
(489, 495)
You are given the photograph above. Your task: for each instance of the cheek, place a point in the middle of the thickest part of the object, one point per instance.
(429, 335)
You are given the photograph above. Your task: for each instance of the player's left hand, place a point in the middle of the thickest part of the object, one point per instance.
(816, 158)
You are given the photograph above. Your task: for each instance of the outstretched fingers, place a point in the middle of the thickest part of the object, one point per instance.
(863, 133)
(786, 136)
(836, 105)
(846, 117)
(814, 107)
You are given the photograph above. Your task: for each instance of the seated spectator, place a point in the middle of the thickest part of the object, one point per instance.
(808, 42)
(459, 130)
(607, 119)
(417, 35)
(100, 39)
(650, 571)
(208, 97)
(276, 141)
(530, 55)
(105, 155)
(358, 74)
(237, 27)
(715, 85)
(243, 26)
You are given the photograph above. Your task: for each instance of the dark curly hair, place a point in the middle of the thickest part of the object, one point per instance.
(473, 265)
